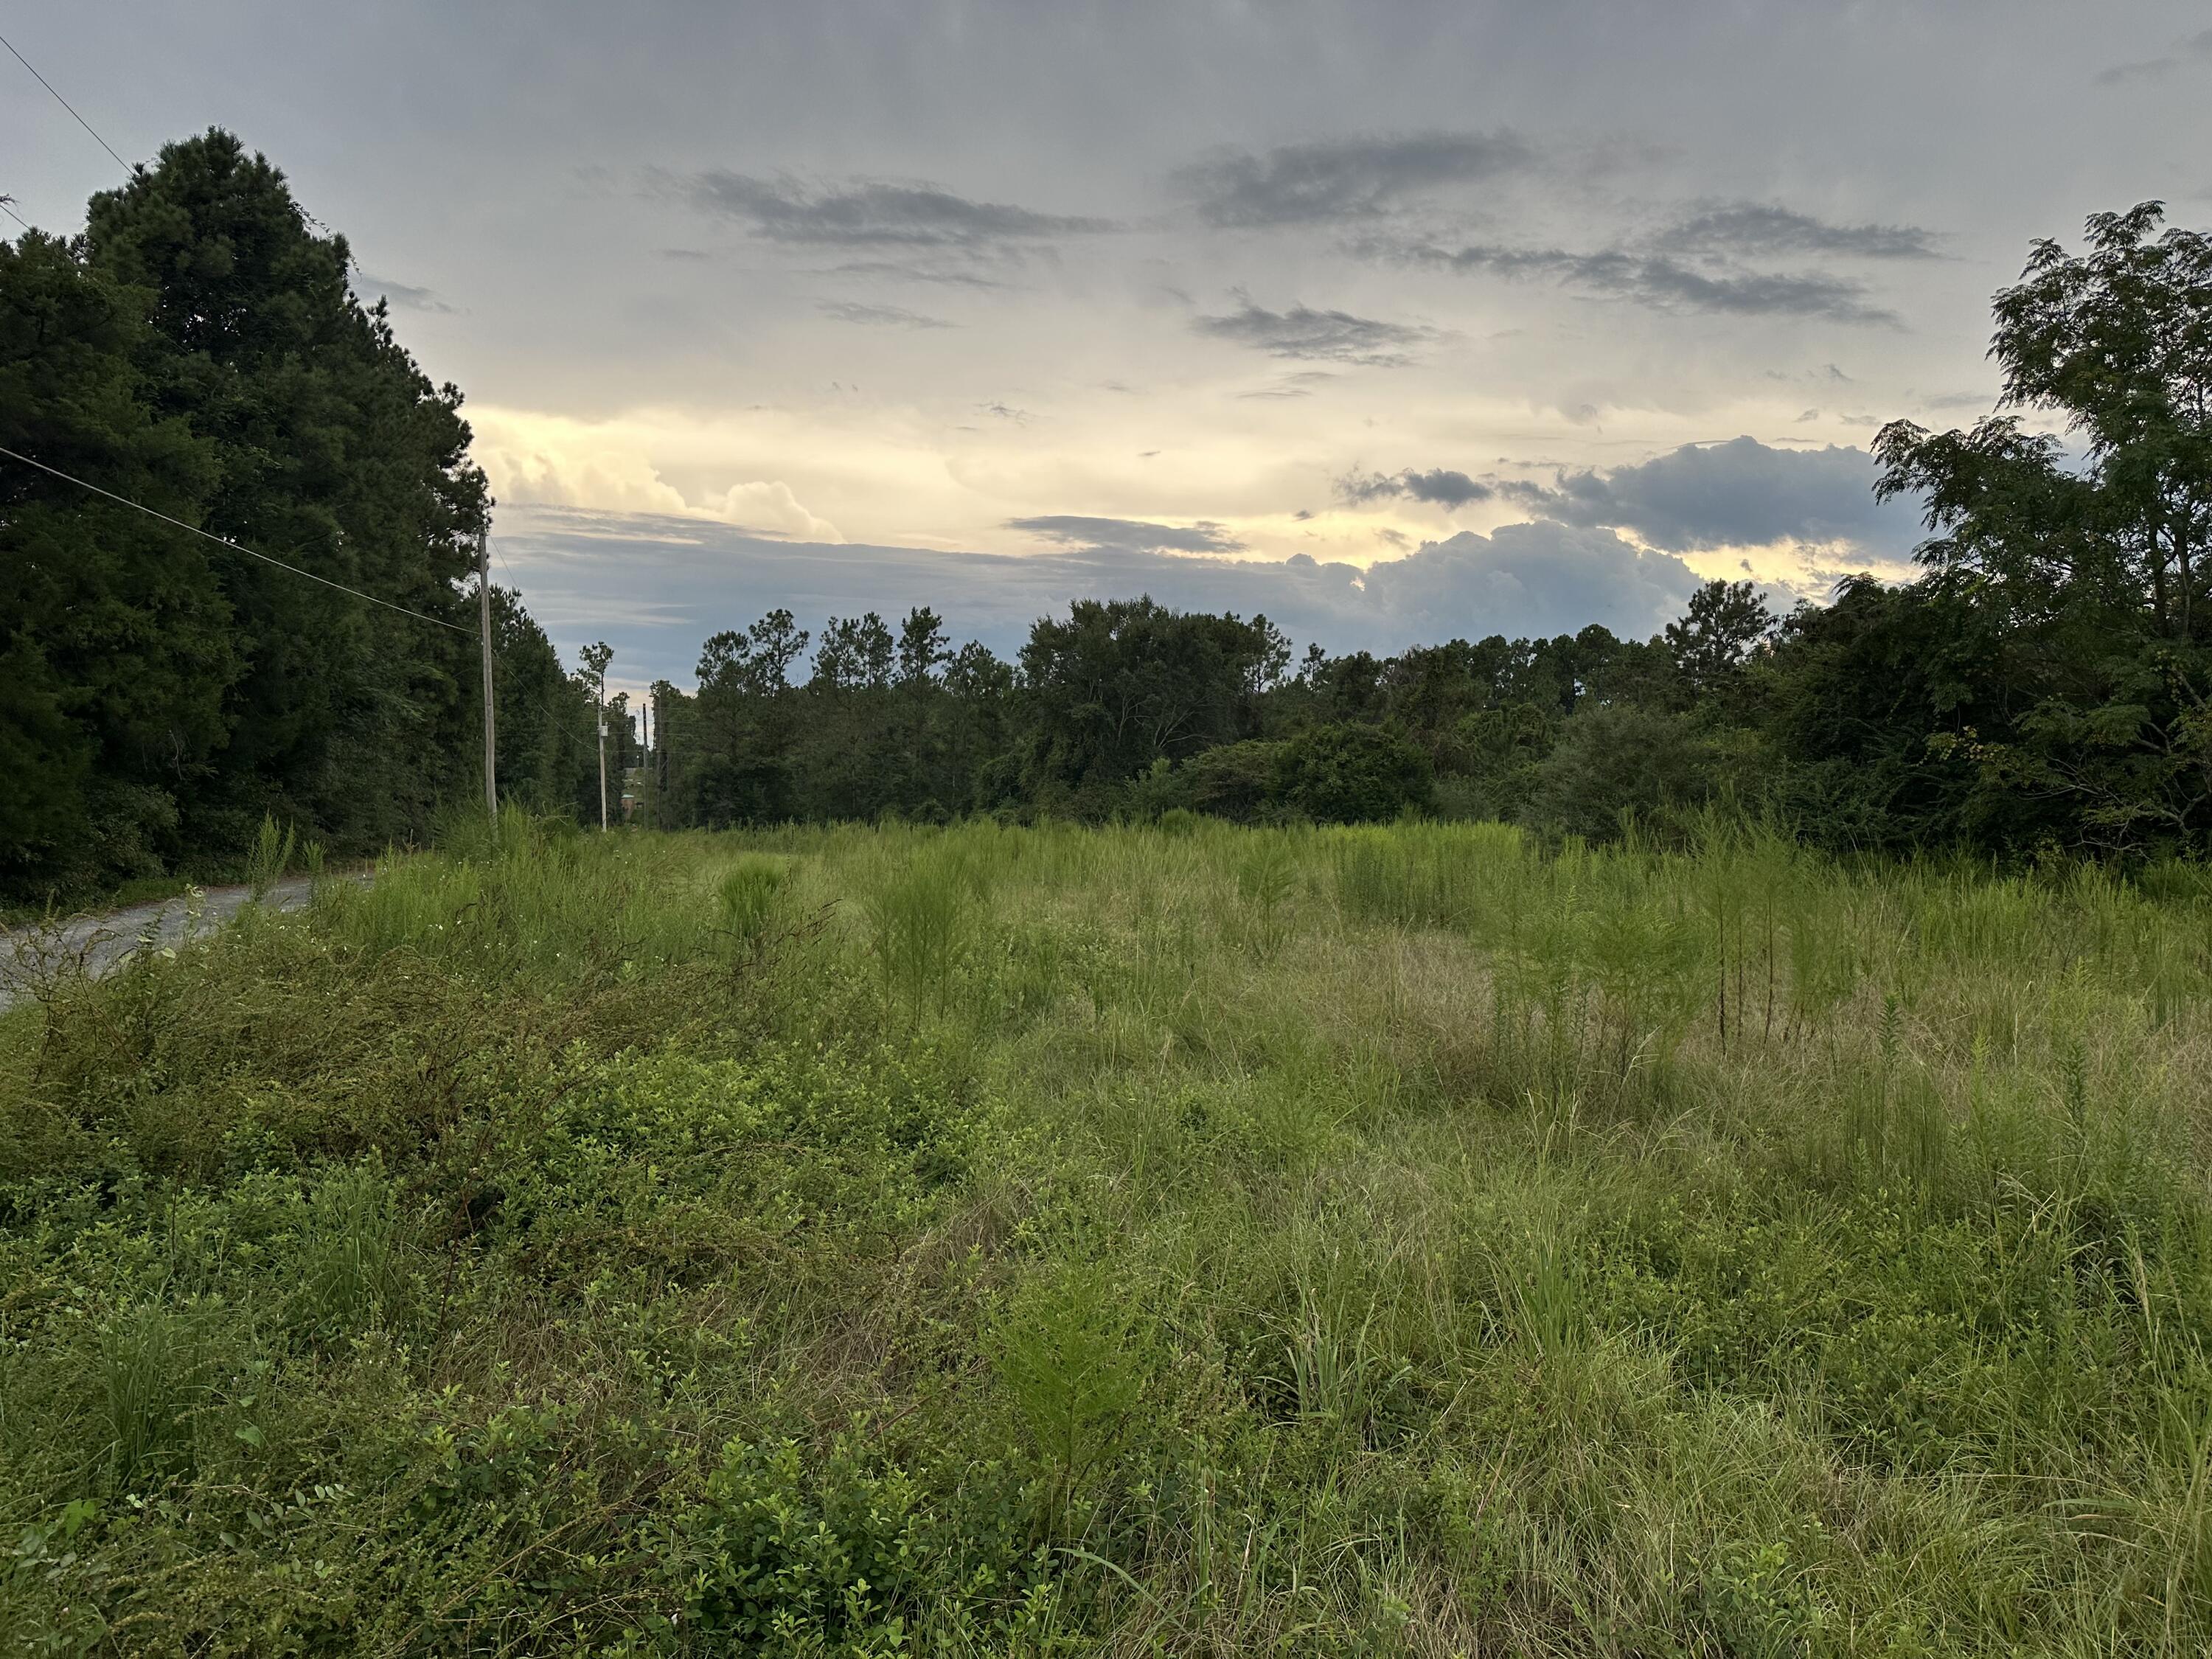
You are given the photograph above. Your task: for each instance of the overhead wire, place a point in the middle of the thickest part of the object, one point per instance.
(8, 207)
(238, 547)
(63, 102)
(225, 541)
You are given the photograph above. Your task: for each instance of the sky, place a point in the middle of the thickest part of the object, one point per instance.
(1397, 321)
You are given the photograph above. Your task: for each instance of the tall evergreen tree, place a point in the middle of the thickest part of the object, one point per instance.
(117, 654)
(331, 450)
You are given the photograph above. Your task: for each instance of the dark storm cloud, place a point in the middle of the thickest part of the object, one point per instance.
(1342, 178)
(1128, 535)
(1742, 492)
(1738, 228)
(865, 212)
(2196, 51)
(1441, 486)
(1306, 334)
(851, 311)
(1657, 281)
(679, 579)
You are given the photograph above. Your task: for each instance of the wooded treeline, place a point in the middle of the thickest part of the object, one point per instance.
(198, 348)
(2043, 684)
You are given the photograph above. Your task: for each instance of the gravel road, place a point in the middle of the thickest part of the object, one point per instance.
(107, 939)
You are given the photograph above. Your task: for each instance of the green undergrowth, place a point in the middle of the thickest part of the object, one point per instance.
(1179, 1240)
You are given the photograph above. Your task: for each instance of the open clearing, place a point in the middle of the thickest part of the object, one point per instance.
(1037, 1240)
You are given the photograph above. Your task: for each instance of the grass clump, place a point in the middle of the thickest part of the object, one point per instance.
(1178, 1239)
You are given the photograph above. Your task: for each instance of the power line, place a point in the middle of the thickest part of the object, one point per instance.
(63, 102)
(566, 729)
(7, 206)
(224, 541)
(311, 219)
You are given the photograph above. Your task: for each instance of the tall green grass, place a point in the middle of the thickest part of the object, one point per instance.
(1171, 1240)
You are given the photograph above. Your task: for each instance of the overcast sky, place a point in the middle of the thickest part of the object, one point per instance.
(1394, 321)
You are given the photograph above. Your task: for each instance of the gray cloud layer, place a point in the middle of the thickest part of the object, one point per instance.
(1659, 281)
(679, 579)
(1304, 333)
(899, 271)
(1751, 228)
(865, 212)
(1742, 492)
(1342, 178)
(1127, 535)
(1440, 486)
(2196, 49)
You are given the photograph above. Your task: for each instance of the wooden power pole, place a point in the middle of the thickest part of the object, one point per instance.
(484, 624)
(596, 659)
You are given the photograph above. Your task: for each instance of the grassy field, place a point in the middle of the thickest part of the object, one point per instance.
(1190, 1240)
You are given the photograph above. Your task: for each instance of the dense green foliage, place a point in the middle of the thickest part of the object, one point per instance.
(197, 350)
(1183, 1239)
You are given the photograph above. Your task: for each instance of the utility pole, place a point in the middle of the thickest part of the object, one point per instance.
(596, 658)
(483, 623)
(661, 755)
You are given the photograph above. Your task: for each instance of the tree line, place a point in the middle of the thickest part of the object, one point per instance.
(198, 350)
(2042, 685)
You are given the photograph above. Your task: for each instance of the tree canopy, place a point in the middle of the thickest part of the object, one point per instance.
(198, 350)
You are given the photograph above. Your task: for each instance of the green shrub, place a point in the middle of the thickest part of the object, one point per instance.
(1233, 780)
(1616, 764)
(850, 1557)
(921, 918)
(152, 1369)
(1351, 774)
(270, 857)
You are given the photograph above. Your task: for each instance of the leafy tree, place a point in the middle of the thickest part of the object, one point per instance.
(1120, 683)
(1492, 755)
(742, 770)
(1866, 699)
(922, 652)
(856, 652)
(2091, 572)
(979, 693)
